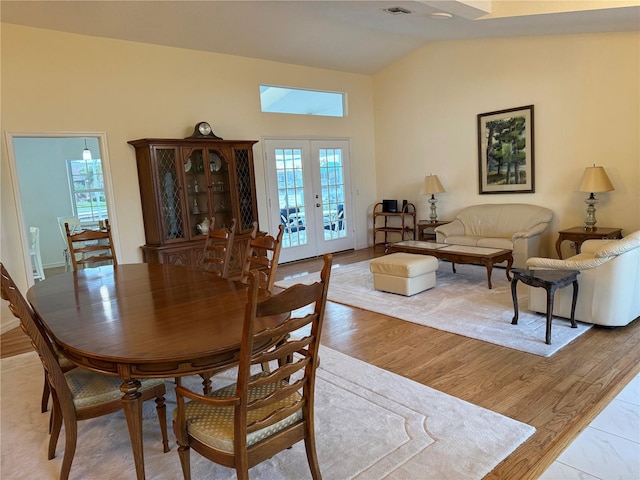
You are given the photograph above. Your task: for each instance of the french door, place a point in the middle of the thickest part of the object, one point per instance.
(310, 195)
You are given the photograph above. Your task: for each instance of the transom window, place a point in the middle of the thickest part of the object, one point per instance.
(301, 102)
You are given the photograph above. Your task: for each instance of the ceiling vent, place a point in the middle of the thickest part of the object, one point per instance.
(397, 11)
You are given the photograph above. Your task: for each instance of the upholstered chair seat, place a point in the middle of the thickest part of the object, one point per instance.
(214, 426)
(89, 389)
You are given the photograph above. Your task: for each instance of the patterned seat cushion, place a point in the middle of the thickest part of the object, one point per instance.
(65, 363)
(88, 388)
(213, 426)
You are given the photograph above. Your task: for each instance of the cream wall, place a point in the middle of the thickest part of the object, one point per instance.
(586, 93)
(584, 89)
(59, 82)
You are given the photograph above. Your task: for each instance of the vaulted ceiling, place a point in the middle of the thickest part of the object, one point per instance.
(354, 36)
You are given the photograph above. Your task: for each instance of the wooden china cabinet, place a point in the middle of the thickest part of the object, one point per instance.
(183, 182)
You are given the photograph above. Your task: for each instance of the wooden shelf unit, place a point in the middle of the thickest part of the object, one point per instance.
(407, 223)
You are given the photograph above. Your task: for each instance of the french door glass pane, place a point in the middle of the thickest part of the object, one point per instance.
(291, 196)
(332, 185)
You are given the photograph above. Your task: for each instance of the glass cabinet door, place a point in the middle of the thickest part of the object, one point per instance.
(222, 211)
(172, 218)
(244, 185)
(208, 190)
(197, 191)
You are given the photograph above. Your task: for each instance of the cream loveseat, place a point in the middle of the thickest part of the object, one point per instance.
(513, 226)
(608, 284)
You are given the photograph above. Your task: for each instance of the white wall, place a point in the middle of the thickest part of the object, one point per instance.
(586, 95)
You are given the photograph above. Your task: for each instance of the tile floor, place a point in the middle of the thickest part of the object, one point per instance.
(609, 448)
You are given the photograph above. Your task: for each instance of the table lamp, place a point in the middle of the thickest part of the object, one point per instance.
(594, 180)
(431, 186)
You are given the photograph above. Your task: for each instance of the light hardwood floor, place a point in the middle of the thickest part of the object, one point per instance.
(559, 395)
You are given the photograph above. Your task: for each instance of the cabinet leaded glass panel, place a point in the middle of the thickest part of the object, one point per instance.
(170, 194)
(245, 190)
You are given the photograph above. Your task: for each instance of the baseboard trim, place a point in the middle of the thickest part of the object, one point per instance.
(10, 325)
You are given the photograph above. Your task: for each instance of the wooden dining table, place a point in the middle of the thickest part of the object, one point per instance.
(143, 320)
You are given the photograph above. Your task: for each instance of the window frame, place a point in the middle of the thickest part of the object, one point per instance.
(98, 213)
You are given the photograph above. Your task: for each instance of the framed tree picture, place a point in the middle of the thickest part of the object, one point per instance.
(505, 151)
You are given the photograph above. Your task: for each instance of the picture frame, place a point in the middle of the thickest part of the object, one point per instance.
(506, 157)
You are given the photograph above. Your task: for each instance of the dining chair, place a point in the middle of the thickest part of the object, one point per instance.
(34, 251)
(74, 226)
(262, 414)
(217, 250)
(262, 254)
(78, 394)
(90, 246)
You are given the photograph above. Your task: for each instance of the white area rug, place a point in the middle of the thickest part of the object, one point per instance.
(370, 424)
(459, 303)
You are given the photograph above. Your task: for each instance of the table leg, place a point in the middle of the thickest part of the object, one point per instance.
(514, 295)
(551, 292)
(559, 246)
(573, 304)
(206, 382)
(489, 265)
(509, 265)
(132, 406)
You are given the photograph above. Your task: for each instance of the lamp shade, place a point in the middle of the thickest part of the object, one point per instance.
(595, 180)
(431, 185)
(86, 153)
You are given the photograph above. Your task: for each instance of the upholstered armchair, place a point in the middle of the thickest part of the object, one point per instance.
(608, 284)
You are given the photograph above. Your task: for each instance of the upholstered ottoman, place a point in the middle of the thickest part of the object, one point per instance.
(404, 273)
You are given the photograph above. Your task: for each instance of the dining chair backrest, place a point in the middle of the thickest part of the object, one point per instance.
(217, 250)
(34, 251)
(271, 410)
(262, 254)
(33, 327)
(88, 247)
(74, 227)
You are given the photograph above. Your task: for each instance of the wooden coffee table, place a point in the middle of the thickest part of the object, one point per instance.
(457, 254)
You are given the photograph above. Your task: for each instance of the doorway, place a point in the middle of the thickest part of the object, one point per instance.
(58, 176)
(309, 185)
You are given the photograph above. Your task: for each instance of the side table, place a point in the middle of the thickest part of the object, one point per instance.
(550, 280)
(578, 235)
(426, 225)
